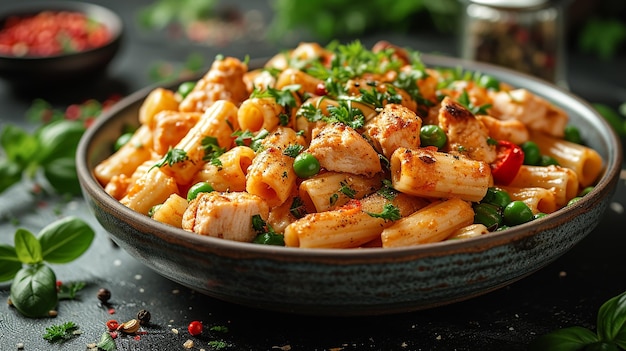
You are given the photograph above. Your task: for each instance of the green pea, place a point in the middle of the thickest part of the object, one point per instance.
(517, 212)
(122, 140)
(585, 191)
(488, 215)
(433, 135)
(306, 165)
(547, 161)
(572, 134)
(574, 200)
(497, 197)
(489, 82)
(196, 189)
(185, 88)
(532, 154)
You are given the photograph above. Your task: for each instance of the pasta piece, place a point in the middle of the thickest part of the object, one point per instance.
(150, 190)
(219, 122)
(471, 231)
(223, 81)
(429, 173)
(171, 211)
(586, 162)
(170, 127)
(229, 174)
(349, 226)
(281, 216)
(292, 76)
(562, 181)
(259, 79)
(224, 215)
(117, 186)
(136, 151)
(330, 190)
(396, 126)
(465, 132)
(340, 148)
(271, 175)
(159, 99)
(259, 113)
(511, 130)
(539, 200)
(430, 224)
(535, 112)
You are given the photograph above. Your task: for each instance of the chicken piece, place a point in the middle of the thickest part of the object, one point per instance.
(223, 81)
(225, 215)
(394, 127)
(170, 127)
(465, 132)
(535, 112)
(340, 148)
(511, 130)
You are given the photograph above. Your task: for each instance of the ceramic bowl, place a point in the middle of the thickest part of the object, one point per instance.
(32, 72)
(360, 281)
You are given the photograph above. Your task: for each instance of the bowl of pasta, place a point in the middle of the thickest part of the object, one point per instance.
(344, 180)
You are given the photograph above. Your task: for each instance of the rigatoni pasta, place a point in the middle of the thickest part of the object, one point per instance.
(345, 147)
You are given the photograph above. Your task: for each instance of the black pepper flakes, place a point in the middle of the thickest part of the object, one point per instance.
(144, 317)
(104, 295)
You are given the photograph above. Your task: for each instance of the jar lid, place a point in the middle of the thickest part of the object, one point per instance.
(513, 4)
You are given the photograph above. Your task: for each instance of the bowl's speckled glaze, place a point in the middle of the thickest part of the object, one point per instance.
(28, 73)
(359, 281)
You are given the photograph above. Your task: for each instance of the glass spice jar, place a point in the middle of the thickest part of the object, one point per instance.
(525, 35)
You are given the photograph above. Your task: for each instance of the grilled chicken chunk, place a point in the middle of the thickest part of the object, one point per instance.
(340, 148)
(465, 132)
(224, 215)
(394, 127)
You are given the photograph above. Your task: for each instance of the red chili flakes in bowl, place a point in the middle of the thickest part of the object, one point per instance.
(51, 33)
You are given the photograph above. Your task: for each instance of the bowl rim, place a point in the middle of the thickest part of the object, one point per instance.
(104, 15)
(605, 186)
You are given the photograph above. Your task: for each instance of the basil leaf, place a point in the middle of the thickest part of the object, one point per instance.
(9, 263)
(612, 320)
(61, 175)
(65, 240)
(27, 247)
(19, 146)
(58, 139)
(10, 173)
(33, 291)
(568, 339)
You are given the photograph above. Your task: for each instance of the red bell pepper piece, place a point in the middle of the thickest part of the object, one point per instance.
(509, 159)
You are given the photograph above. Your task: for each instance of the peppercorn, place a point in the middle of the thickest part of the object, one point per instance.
(144, 317)
(104, 295)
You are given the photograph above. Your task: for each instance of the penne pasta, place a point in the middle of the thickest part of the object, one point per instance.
(539, 200)
(229, 173)
(330, 190)
(149, 190)
(171, 211)
(563, 182)
(158, 100)
(429, 173)
(583, 160)
(432, 223)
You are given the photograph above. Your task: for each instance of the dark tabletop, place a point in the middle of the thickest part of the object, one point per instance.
(568, 292)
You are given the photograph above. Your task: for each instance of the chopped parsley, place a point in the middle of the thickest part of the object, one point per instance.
(212, 150)
(284, 97)
(172, 157)
(297, 208)
(346, 114)
(248, 138)
(389, 213)
(265, 233)
(379, 99)
(293, 150)
(387, 191)
(476, 110)
(60, 332)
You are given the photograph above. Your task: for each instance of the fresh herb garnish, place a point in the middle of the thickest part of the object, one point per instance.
(212, 149)
(69, 291)
(476, 110)
(293, 150)
(60, 332)
(265, 233)
(346, 114)
(378, 99)
(389, 213)
(172, 157)
(387, 191)
(297, 208)
(610, 335)
(106, 342)
(34, 290)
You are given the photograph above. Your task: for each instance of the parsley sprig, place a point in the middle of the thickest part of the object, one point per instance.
(172, 157)
(265, 233)
(60, 332)
(390, 212)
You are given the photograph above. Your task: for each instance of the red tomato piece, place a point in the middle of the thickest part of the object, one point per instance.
(195, 328)
(510, 158)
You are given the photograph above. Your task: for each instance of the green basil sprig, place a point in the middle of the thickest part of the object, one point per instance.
(50, 149)
(610, 335)
(34, 290)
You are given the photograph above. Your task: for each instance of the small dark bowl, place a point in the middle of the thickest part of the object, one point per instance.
(358, 281)
(30, 72)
